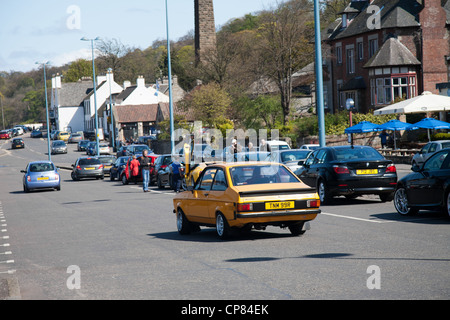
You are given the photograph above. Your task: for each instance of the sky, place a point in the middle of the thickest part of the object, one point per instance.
(46, 30)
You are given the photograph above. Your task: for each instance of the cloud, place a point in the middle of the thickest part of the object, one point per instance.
(68, 57)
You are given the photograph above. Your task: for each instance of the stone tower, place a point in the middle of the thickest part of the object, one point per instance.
(205, 28)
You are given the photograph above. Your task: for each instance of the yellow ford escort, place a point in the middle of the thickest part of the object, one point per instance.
(246, 195)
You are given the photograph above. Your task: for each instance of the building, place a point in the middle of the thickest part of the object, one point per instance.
(383, 50)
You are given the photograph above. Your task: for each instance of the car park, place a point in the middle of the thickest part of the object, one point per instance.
(289, 158)
(118, 168)
(350, 171)
(17, 143)
(41, 175)
(4, 134)
(427, 187)
(428, 150)
(108, 162)
(81, 146)
(242, 196)
(58, 146)
(87, 167)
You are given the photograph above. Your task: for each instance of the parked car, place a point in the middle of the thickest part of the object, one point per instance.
(41, 175)
(161, 171)
(34, 134)
(82, 145)
(17, 143)
(4, 134)
(87, 167)
(19, 130)
(428, 150)
(146, 139)
(289, 158)
(118, 168)
(107, 161)
(350, 171)
(427, 187)
(122, 151)
(273, 145)
(91, 148)
(63, 135)
(75, 138)
(262, 194)
(126, 174)
(310, 146)
(103, 148)
(58, 146)
(137, 149)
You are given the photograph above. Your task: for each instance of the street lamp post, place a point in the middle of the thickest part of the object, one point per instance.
(95, 92)
(112, 131)
(169, 67)
(46, 110)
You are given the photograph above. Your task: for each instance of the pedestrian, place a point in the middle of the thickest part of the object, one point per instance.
(134, 166)
(144, 162)
(176, 174)
(383, 136)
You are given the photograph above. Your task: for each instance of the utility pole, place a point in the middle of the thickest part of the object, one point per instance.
(3, 115)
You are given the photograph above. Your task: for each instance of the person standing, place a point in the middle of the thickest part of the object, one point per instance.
(176, 176)
(134, 166)
(383, 136)
(144, 163)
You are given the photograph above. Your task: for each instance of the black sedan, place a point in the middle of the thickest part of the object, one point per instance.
(349, 171)
(17, 143)
(427, 187)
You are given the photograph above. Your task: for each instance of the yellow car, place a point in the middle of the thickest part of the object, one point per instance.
(243, 195)
(64, 136)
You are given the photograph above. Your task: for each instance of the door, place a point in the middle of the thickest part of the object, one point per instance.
(306, 173)
(428, 187)
(197, 209)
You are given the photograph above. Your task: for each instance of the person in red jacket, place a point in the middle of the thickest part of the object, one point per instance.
(134, 166)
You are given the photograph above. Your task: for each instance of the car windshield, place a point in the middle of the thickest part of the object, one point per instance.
(294, 155)
(41, 167)
(140, 149)
(88, 161)
(357, 153)
(58, 143)
(254, 174)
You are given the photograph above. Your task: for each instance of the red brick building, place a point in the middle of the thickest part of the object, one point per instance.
(386, 49)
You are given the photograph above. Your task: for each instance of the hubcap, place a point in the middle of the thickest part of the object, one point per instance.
(179, 220)
(219, 225)
(321, 191)
(401, 202)
(448, 204)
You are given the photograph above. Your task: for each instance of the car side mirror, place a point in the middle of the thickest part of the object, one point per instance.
(415, 168)
(23, 171)
(301, 163)
(73, 166)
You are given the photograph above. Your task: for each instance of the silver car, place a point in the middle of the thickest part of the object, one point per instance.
(58, 146)
(428, 150)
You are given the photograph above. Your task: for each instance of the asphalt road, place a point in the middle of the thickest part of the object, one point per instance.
(102, 240)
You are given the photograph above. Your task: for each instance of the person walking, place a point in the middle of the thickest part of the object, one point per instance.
(176, 176)
(134, 166)
(145, 168)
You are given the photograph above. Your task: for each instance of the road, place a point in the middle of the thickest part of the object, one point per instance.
(103, 240)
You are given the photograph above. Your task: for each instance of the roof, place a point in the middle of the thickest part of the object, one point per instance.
(392, 53)
(72, 94)
(138, 113)
(394, 14)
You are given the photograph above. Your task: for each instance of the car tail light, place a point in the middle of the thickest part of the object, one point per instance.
(391, 169)
(56, 177)
(101, 166)
(313, 203)
(341, 169)
(28, 178)
(78, 168)
(245, 207)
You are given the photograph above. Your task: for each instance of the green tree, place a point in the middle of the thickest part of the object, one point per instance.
(77, 70)
(35, 101)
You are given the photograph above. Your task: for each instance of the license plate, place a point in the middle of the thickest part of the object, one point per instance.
(89, 168)
(280, 205)
(367, 171)
(42, 178)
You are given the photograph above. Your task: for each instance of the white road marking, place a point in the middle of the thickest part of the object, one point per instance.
(354, 218)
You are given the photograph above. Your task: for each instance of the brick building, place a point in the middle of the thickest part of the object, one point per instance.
(386, 49)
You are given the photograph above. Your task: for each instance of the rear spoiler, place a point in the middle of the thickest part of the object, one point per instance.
(277, 192)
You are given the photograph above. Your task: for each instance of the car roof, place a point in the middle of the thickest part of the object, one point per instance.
(243, 163)
(40, 161)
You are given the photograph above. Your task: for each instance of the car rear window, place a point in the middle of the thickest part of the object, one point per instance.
(446, 145)
(248, 175)
(42, 167)
(107, 160)
(88, 161)
(357, 153)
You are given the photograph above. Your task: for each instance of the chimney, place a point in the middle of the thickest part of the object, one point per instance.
(100, 79)
(140, 81)
(126, 84)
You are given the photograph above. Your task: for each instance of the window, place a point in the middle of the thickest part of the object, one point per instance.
(436, 161)
(338, 54)
(360, 50)
(207, 180)
(373, 47)
(385, 90)
(220, 182)
(350, 61)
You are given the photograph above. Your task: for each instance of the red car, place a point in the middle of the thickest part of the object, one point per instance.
(5, 135)
(126, 174)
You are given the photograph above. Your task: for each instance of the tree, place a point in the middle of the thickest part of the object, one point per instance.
(286, 46)
(77, 70)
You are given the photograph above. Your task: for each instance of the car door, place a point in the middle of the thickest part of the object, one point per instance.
(219, 199)
(306, 173)
(427, 188)
(197, 209)
(317, 168)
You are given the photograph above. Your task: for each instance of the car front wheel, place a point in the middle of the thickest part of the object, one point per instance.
(401, 203)
(183, 226)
